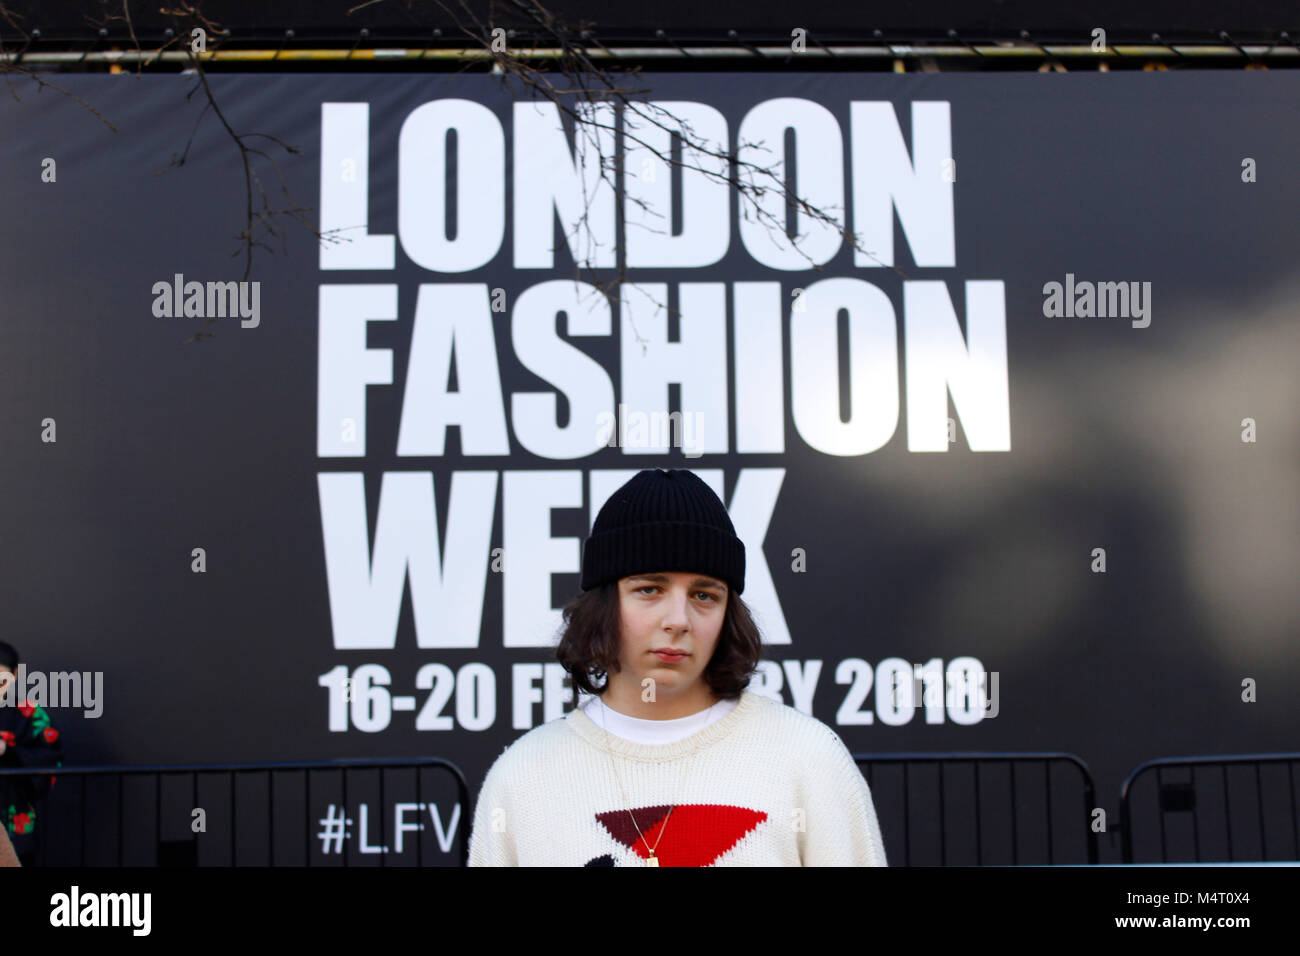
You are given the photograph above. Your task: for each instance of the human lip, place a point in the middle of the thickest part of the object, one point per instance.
(670, 654)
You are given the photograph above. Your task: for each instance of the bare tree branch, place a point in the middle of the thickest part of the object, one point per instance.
(584, 86)
(591, 84)
(9, 66)
(183, 17)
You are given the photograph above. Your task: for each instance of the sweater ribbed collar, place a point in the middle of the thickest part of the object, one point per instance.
(590, 731)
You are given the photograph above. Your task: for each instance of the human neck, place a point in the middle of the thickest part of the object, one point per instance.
(665, 706)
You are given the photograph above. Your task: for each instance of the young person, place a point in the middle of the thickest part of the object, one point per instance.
(673, 761)
(7, 855)
(26, 740)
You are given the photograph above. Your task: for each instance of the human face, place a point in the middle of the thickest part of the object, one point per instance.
(678, 610)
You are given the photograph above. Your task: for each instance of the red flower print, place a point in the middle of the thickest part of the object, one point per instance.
(22, 823)
(7, 737)
(26, 708)
(51, 735)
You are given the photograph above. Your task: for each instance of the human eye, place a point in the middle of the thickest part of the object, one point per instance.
(709, 595)
(646, 587)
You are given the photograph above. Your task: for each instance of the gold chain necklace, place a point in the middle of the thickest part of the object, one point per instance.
(653, 860)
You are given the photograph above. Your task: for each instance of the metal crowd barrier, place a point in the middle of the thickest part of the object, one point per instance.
(985, 815)
(979, 809)
(242, 828)
(1207, 816)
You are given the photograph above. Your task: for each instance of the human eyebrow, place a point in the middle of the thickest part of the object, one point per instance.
(696, 583)
(709, 583)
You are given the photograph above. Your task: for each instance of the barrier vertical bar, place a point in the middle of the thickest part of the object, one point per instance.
(194, 802)
(1047, 784)
(907, 826)
(1227, 811)
(1015, 836)
(1259, 802)
(1196, 820)
(84, 784)
(157, 815)
(1295, 824)
(943, 822)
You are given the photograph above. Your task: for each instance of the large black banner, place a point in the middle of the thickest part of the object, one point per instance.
(1015, 471)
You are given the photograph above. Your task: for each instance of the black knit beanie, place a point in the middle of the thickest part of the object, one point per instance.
(663, 521)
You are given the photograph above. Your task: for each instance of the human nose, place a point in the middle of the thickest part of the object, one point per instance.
(675, 617)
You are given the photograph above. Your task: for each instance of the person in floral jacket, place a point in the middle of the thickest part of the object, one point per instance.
(26, 740)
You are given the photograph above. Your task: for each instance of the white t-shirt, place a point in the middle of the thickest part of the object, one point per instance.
(654, 732)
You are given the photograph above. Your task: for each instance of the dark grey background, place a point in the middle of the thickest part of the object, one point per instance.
(1122, 438)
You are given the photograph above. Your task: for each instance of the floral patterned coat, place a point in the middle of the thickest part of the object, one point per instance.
(30, 741)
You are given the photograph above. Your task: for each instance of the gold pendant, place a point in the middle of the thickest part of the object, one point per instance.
(652, 861)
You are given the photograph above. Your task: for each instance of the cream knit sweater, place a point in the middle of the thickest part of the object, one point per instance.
(766, 785)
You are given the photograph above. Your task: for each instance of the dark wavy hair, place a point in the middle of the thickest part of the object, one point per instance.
(589, 645)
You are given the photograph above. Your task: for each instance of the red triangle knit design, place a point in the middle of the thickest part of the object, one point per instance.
(697, 834)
